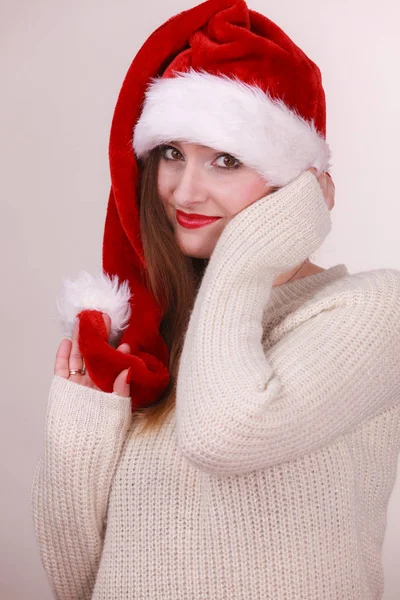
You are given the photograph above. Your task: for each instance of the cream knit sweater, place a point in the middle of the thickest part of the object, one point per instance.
(271, 478)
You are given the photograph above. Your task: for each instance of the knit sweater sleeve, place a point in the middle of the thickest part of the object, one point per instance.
(84, 432)
(240, 408)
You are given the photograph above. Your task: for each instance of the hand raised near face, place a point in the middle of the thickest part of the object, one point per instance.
(327, 186)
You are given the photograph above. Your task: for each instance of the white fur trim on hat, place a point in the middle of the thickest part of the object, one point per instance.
(229, 115)
(102, 293)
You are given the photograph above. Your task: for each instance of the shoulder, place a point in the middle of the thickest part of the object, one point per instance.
(367, 300)
(366, 305)
(378, 287)
(366, 279)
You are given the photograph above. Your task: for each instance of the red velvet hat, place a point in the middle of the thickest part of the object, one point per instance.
(220, 75)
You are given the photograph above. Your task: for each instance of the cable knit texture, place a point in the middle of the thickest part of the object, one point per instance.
(271, 478)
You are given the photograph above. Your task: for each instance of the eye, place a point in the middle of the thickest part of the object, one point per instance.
(170, 153)
(229, 162)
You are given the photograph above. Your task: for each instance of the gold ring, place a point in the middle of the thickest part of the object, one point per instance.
(78, 371)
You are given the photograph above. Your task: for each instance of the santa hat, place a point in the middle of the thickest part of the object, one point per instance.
(220, 75)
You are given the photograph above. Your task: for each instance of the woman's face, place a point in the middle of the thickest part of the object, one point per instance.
(200, 180)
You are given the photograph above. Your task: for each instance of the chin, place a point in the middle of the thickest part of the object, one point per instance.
(193, 252)
(200, 256)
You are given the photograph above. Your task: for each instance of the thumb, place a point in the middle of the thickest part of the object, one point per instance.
(107, 322)
(121, 386)
(313, 170)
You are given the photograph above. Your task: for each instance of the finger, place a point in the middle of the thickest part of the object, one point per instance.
(124, 348)
(61, 365)
(107, 321)
(330, 194)
(75, 359)
(122, 388)
(323, 180)
(328, 189)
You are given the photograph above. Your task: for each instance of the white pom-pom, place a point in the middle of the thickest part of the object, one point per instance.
(101, 293)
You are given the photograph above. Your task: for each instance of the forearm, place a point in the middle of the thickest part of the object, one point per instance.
(224, 378)
(85, 429)
(240, 408)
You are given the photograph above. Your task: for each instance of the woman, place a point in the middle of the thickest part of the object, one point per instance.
(240, 439)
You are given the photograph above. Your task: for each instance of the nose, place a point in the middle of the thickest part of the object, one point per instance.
(190, 187)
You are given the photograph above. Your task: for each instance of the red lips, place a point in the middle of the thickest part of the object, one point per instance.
(194, 221)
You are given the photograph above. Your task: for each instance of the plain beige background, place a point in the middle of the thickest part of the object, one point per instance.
(62, 66)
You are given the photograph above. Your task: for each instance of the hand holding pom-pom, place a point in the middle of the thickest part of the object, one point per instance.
(69, 357)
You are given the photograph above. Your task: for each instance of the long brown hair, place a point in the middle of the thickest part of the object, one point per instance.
(173, 278)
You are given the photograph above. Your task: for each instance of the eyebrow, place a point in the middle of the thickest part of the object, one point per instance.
(176, 143)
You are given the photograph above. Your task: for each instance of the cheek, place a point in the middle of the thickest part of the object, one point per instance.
(162, 182)
(242, 193)
(164, 187)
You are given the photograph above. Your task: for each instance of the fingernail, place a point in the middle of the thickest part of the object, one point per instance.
(329, 175)
(129, 375)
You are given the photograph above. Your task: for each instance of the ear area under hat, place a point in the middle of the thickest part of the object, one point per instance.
(102, 293)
